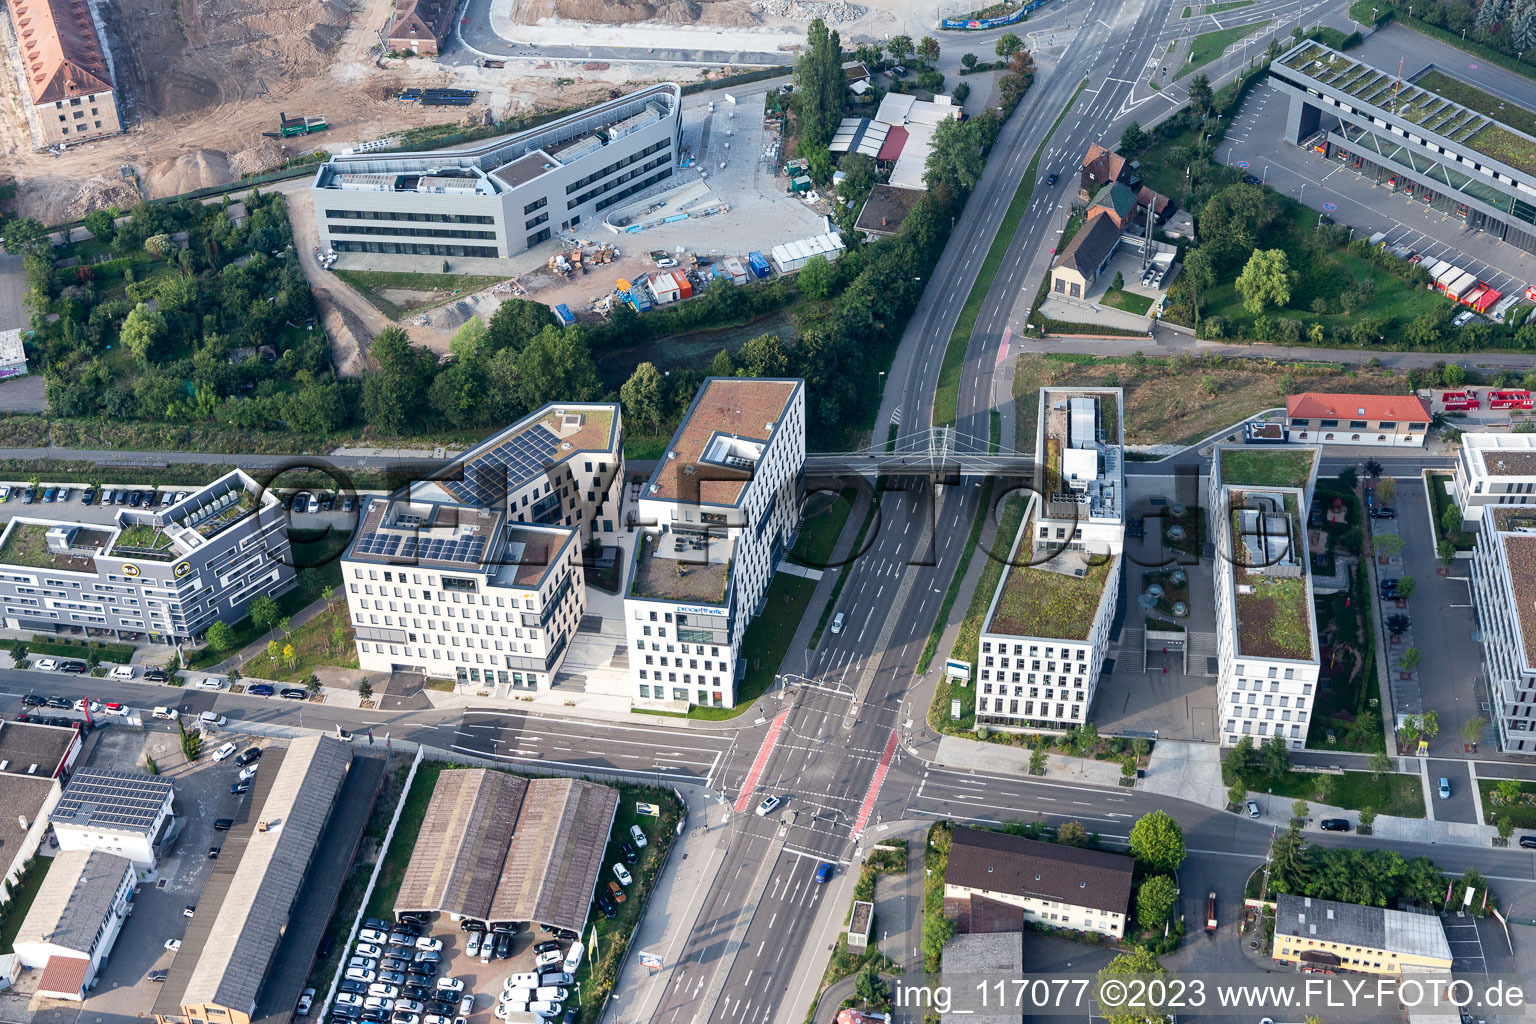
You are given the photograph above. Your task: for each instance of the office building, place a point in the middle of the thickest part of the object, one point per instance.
(498, 197)
(74, 920)
(158, 574)
(999, 882)
(477, 574)
(1331, 936)
(1389, 421)
(69, 96)
(1046, 633)
(1504, 596)
(1494, 470)
(1465, 165)
(1266, 631)
(119, 812)
(716, 517)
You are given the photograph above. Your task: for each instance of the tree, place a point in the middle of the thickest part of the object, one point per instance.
(722, 365)
(1473, 728)
(1154, 902)
(1266, 280)
(1453, 376)
(1237, 793)
(968, 61)
(364, 690)
(1037, 761)
(273, 652)
(764, 356)
(338, 638)
(869, 988)
(394, 396)
(900, 48)
(1118, 281)
(819, 84)
(1348, 478)
(140, 331)
(1450, 519)
(1133, 138)
(1008, 44)
(158, 246)
(859, 176)
(1388, 545)
(1287, 861)
(1200, 95)
(1506, 827)
(1136, 961)
(556, 366)
(1367, 817)
(1300, 810)
(1072, 833)
(1234, 761)
(1410, 659)
(1506, 793)
(515, 323)
(1445, 550)
(289, 655)
(1380, 764)
(928, 51)
(264, 613)
(312, 684)
(817, 278)
(641, 398)
(220, 636)
(23, 234)
(1275, 758)
(19, 653)
(959, 153)
(286, 625)
(1406, 586)
(1373, 470)
(469, 338)
(1158, 842)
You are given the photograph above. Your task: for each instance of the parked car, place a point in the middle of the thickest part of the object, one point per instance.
(1253, 809)
(368, 949)
(213, 852)
(348, 999)
(549, 959)
(1445, 789)
(1388, 589)
(637, 835)
(306, 1000)
(248, 773)
(384, 989)
(114, 708)
(294, 693)
(169, 714)
(630, 854)
(450, 985)
(75, 668)
(88, 497)
(239, 788)
(159, 975)
(837, 622)
(426, 942)
(361, 974)
(503, 945)
(1334, 825)
(189, 910)
(173, 944)
(261, 690)
(355, 987)
(224, 751)
(472, 947)
(617, 892)
(223, 824)
(210, 683)
(156, 675)
(372, 935)
(1383, 512)
(1528, 842)
(251, 754)
(48, 665)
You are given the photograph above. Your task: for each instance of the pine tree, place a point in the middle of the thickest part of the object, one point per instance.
(1522, 30)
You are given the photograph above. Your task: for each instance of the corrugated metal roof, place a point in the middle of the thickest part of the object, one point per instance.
(74, 899)
(463, 843)
(255, 909)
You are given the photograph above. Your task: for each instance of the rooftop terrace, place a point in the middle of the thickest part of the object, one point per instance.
(1429, 110)
(1051, 600)
(669, 567)
(27, 544)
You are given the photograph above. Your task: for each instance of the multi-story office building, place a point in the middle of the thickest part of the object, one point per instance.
(1393, 421)
(1045, 636)
(717, 515)
(163, 574)
(123, 813)
(1494, 470)
(1330, 936)
(1266, 634)
(1465, 164)
(1504, 594)
(74, 920)
(477, 574)
(499, 197)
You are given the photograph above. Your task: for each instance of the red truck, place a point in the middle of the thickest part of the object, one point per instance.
(1455, 401)
(1509, 400)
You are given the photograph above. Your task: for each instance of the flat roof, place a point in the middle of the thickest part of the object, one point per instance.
(497, 847)
(525, 168)
(1392, 931)
(463, 538)
(1090, 468)
(117, 801)
(1056, 600)
(525, 451)
(1501, 454)
(1271, 596)
(746, 408)
(74, 899)
(1261, 466)
(673, 566)
(26, 544)
(1520, 565)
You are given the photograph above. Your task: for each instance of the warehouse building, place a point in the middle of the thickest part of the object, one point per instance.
(117, 812)
(496, 198)
(498, 847)
(68, 74)
(163, 575)
(717, 516)
(74, 920)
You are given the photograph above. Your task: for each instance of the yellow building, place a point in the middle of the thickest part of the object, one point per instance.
(1366, 940)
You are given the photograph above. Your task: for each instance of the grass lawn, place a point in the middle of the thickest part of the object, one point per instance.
(1119, 298)
(1227, 5)
(946, 394)
(1039, 602)
(1210, 45)
(1399, 795)
(1460, 538)
(430, 289)
(1522, 813)
(1266, 467)
(766, 642)
(320, 553)
(824, 517)
(21, 901)
(1457, 91)
(312, 646)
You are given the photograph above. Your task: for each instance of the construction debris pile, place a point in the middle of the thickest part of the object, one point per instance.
(580, 256)
(830, 11)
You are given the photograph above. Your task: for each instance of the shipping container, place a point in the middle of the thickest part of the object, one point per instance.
(758, 264)
(563, 312)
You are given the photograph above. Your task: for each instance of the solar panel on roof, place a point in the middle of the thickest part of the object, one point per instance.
(521, 457)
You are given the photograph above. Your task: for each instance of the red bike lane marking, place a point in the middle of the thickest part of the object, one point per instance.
(760, 762)
(868, 807)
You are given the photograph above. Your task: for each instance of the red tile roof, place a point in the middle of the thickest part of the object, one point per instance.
(1314, 404)
(63, 976)
(1103, 165)
(60, 50)
(895, 142)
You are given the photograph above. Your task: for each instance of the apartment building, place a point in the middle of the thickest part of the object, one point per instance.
(1494, 470)
(162, 575)
(1046, 633)
(1000, 882)
(1390, 421)
(477, 574)
(715, 518)
(420, 26)
(1266, 632)
(496, 198)
(1504, 594)
(66, 71)
(1332, 936)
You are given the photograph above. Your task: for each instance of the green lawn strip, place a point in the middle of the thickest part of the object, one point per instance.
(1521, 814)
(1461, 539)
(946, 394)
(932, 646)
(842, 573)
(371, 284)
(821, 528)
(995, 430)
(1118, 298)
(1398, 795)
(117, 654)
(312, 646)
(1457, 91)
(381, 904)
(1187, 12)
(1210, 45)
(969, 638)
(1227, 5)
(321, 555)
(766, 642)
(15, 911)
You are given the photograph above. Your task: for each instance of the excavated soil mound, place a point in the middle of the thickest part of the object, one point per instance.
(189, 171)
(623, 12)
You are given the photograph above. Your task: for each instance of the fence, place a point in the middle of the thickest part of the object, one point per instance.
(975, 24)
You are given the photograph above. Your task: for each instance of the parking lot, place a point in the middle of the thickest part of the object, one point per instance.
(73, 508)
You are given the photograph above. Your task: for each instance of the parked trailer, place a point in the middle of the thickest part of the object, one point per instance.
(1485, 301)
(1456, 401)
(1210, 912)
(1509, 400)
(1461, 286)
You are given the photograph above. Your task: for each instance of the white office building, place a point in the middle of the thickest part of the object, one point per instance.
(1494, 470)
(477, 575)
(498, 197)
(1046, 633)
(123, 813)
(1266, 632)
(716, 516)
(1504, 593)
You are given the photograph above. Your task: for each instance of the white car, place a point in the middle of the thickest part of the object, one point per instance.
(117, 709)
(248, 772)
(450, 985)
(373, 935)
(505, 1009)
(548, 959)
(362, 974)
(622, 874)
(306, 1000)
(517, 995)
(427, 944)
(122, 672)
(408, 1006)
(368, 949)
(638, 835)
(211, 683)
(436, 1018)
(173, 944)
(382, 988)
(467, 1005)
(94, 707)
(348, 999)
(224, 751)
(573, 957)
(379, 1003)
(544, 1008)
(169, 714)
(405, 1018)
(472, 947)
(47, 665)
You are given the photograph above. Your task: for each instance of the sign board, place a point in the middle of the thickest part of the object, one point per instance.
(1423, 748)
(954, 711)
(649, 809)
(650, 960)
(1330, 207)
(954, 668)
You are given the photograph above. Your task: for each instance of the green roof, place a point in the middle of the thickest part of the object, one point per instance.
(1266, 467)
(1044, 603)
(1274, 619)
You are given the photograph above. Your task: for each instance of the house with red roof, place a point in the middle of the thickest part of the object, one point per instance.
(1391, 421)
